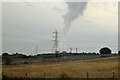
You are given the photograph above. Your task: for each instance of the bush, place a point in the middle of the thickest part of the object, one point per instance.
(5, 54)
(8, 60)
(64, 75)
(26, 62)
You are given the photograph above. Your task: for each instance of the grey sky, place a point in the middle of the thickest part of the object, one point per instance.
(26, 25)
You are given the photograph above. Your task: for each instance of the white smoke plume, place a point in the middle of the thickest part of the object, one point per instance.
(75, 9)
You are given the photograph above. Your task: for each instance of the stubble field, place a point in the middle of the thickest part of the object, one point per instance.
(93, 68)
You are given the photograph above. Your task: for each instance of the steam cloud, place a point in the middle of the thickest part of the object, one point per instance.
(75, 9)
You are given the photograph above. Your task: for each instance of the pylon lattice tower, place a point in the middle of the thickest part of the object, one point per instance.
(56, 44)
(36, 50)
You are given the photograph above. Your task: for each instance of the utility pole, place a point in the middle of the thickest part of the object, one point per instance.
(55, 46)
(36, 49)
(76, 50)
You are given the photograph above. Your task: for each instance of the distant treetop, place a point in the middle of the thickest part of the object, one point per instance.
(105, 50)
(5, 54)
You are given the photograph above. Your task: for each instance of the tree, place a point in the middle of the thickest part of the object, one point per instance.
(5, 54)
(118, 52)
(105, 50)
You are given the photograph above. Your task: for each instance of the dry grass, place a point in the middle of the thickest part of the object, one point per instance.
(97, 68)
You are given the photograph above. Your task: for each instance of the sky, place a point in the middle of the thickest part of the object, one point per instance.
(27, 24)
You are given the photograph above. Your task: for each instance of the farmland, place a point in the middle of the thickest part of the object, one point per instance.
(106, 67)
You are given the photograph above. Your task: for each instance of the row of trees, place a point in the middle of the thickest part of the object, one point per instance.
(7, 58)
(104, 50)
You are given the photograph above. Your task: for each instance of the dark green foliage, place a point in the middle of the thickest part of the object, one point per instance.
(8, 60)
(5, 54)
(64, 75)
(26, 62)
(104, 56)
(118, 52)
(105, 50)
(19, 55)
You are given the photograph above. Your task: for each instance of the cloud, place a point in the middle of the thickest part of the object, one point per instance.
(25, 26)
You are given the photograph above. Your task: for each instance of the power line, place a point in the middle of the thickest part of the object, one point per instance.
(56, 43)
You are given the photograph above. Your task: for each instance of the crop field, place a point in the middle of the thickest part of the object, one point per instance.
(106, 67)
